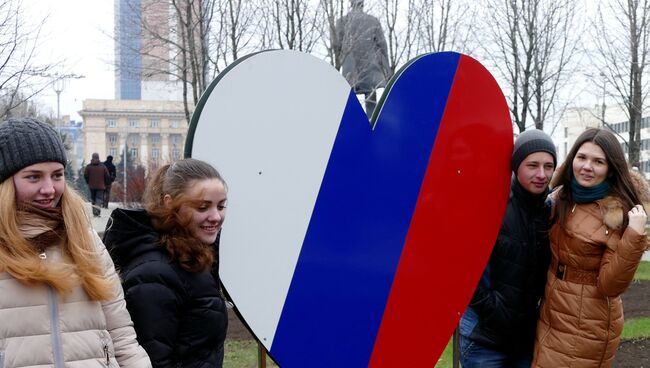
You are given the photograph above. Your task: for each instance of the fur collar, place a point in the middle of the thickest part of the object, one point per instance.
(612, 208)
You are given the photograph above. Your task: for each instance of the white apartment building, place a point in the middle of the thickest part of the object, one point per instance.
(153, 131)
(576, 120)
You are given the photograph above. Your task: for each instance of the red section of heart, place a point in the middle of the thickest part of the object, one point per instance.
(455, 224)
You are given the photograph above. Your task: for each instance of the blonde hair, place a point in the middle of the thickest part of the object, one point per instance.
(80, 264)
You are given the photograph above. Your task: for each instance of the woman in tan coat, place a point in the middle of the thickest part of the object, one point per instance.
(61, 303)
(597, 240)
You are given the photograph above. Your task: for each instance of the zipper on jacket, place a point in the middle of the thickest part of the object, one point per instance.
(106, 354)
(55, 328)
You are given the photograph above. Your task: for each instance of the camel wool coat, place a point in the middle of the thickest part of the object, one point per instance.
(593, 262)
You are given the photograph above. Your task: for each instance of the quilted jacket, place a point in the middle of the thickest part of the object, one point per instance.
(39, 328)
(593, 262)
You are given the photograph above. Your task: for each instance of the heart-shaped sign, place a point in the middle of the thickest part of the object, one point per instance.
(350, 244)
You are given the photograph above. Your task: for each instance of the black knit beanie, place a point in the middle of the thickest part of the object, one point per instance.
(25, 142)
(531, 141)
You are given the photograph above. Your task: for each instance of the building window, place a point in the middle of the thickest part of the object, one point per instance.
(133, 152)
(176, 154)
(154, 139)
(112, 152)
(155, 153)
(112, 139)
(154, 123)
(133, 123)
(175, 124)
(111, 123)
(176, 139)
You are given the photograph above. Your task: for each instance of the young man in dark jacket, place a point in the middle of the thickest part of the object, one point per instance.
(498, 327)
(96, 176)
(112, 173)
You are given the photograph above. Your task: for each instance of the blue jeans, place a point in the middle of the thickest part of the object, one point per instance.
(474, 355)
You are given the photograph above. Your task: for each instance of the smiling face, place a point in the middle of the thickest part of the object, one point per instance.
(207, 208)
(40, 185)
(590, 166)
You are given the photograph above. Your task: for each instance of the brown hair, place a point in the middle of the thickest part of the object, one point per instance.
(175, 180)
(81, 262)
(618, 174)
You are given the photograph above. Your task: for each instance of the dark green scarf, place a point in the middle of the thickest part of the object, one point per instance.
(588, 194)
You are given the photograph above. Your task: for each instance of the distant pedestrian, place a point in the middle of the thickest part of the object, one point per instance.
(61, 304)
(96, 176)
(112, 173)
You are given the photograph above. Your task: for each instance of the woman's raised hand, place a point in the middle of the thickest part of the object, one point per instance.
(637, 219)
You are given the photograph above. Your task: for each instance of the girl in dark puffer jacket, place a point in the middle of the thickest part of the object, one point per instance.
(167, 256)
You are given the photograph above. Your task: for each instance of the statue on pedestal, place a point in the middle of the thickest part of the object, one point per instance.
(360, 42)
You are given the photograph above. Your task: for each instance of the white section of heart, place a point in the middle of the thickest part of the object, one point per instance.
(269, 126)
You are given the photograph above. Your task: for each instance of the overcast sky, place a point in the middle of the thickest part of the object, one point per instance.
(78, 31)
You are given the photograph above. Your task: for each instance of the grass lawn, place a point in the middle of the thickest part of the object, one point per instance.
(445, 360)
(643, 272)
(636, 328)
(243, 354)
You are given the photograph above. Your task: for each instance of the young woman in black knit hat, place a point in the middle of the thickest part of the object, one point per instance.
(60, 299)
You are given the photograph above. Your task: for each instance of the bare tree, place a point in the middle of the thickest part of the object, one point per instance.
(622, 51)
(234, 31)
(188, 42)
(298, 23)
(532, 44)
(445, 25)
(333, 10)
(174, 45)
(21, 76)
(193, 19)
(400, 24)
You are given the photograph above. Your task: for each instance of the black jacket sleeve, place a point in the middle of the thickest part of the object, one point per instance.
(155, 303)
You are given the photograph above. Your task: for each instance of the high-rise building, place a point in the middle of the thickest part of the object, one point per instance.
(147, 116)
(128, 44)
(142, 28)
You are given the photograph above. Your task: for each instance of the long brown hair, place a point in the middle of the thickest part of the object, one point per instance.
(175, 180)
(80, 264)
(618, 174)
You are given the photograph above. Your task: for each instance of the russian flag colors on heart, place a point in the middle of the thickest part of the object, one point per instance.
(346, 244)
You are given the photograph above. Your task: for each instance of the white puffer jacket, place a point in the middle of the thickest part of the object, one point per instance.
(38, 328)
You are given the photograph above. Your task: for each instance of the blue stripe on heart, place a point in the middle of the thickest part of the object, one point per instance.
(333, 309)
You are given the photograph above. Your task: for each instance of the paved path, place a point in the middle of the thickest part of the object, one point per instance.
(99, 223)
